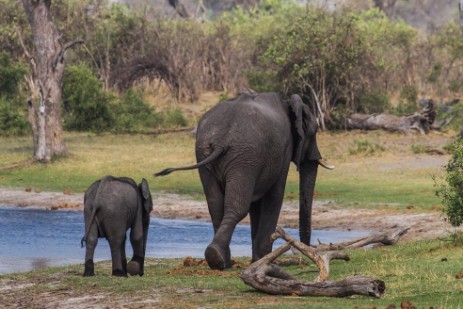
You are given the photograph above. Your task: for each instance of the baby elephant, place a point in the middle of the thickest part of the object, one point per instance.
(112, 206)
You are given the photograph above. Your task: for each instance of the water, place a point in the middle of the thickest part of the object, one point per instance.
(32, 238)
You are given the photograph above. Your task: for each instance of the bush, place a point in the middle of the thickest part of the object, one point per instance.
(451, 194)
(365, 147)
(373, 102)
(172, 118)
(86, 104)
(12, 120)
(132, 113)
(453, 112)
(11, 75)
(408, 100)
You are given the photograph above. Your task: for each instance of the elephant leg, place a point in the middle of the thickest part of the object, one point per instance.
(135, 266)
(236, 207)
(123, 256)
(90, 245)
(115, 243)
(254, 214)
(214, 196)
(266, 221)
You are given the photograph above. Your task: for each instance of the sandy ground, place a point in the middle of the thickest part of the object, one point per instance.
(326, 215)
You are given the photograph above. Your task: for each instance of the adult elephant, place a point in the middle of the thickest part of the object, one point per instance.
(112, 206)
(244, 148)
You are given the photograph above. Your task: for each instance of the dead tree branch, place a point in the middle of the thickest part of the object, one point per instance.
(62, 52)
(387, 239)
(269, 278)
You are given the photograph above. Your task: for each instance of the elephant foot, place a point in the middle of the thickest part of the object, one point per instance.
(89, 269)
(216, 258)
(119, 273)
(134, 268)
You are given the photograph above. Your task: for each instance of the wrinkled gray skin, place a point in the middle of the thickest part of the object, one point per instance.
(244, 148)
(111, 207)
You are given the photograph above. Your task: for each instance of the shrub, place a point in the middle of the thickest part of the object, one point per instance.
(408, 100)
(132, 112)
(373, 102)
(86, 104)
(416, 149)
(12, 120)
(365, 147)
(451, 193)
(454, 113)
(172, 118)
(11, 75)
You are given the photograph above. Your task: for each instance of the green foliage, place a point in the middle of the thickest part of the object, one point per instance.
(261, 80)
(132, 113)
(456, 239)
(455, 113)
(86, 104)
(451, 193)
(417, 148)
(12, 119)
(11, 75)
(408, 100)
(88, 107)
(373, 102)
(365, 147)
(343, 59)
(173, 118)
(435, 73)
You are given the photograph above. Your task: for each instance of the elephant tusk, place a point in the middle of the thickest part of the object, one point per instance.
(325, 164)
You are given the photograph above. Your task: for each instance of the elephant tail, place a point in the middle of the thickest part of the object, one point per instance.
(92, 218)
(211, 158)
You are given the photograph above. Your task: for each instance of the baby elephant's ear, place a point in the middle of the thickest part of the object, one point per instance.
(145, 192)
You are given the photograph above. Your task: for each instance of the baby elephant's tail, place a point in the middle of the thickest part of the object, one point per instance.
(212, 157)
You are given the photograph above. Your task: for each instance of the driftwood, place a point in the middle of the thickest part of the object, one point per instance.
(269, 278)
(420, 121)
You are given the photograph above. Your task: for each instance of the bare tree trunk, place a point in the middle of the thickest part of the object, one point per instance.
(460, 9)
(47, 75)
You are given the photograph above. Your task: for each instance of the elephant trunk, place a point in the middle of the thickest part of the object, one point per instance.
(307, 178)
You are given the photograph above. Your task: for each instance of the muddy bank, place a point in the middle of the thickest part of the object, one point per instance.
(326, 215)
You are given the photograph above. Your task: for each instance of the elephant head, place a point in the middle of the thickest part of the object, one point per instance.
(307, 157)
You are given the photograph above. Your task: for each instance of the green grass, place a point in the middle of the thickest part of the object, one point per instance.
(358, 181)
(422, 273)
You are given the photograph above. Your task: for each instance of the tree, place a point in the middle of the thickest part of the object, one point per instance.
(47, 65)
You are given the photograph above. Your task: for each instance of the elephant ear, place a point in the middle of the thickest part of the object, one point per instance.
(297, 111)
(145, 192)
(304, 130)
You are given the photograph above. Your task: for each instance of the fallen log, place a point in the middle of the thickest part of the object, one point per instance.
(421, 121)
(265, 276)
